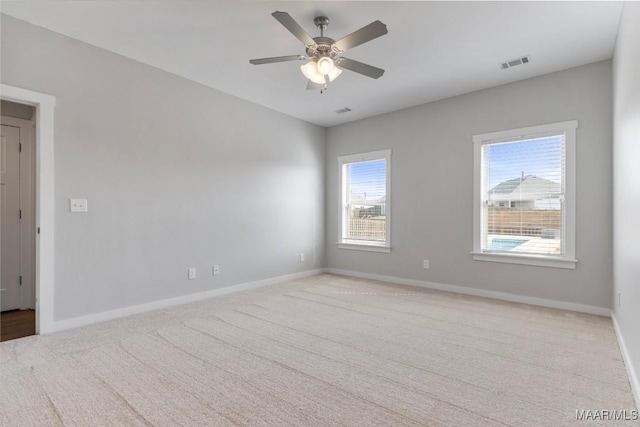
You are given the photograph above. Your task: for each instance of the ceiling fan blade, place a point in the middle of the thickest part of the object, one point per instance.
(359, 67)
(311, 85)
(363, 35)
(273, 59)
(290, 24)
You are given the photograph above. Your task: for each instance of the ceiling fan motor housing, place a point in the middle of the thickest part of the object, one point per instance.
(323, 47)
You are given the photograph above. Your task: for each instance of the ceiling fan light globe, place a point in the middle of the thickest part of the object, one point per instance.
(333, 74)
(325, 65)
(310, 71)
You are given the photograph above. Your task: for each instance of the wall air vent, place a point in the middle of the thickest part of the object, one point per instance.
(514, 62)
(343, 110)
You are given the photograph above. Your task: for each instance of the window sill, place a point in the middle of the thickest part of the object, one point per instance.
(364, 247)
(541, 261)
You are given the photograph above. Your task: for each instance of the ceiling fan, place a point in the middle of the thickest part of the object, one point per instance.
(326, 63)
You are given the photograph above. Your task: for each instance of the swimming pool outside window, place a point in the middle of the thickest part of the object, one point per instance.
(496, 244)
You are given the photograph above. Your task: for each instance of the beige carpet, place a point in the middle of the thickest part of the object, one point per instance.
(325, 351)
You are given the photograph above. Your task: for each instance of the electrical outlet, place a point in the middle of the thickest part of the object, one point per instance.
(301, 257)
(216, 270)
(425, 264)
(192, 273)
(78, 205)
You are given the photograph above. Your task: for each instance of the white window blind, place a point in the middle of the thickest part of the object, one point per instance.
(364, 193)
(523, 195)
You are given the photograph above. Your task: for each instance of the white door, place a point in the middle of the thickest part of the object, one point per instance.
(10, 218)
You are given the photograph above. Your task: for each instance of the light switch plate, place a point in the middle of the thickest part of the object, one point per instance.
(78, 205)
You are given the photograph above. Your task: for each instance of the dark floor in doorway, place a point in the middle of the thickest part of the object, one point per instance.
(17, 324)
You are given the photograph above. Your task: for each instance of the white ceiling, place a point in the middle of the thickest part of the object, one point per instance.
(434, 50)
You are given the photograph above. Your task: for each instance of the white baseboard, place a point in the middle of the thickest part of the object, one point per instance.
(631, 371)
(61, 325)
(582, 308)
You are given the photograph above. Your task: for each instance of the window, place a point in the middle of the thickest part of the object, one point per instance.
(524, 196)
(365, 211)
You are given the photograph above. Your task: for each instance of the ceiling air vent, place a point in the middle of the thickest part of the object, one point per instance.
(343, 110)
(514, 62)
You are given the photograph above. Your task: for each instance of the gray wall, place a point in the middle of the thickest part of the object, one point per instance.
(432, 185)
(177, 175)
(626, 179)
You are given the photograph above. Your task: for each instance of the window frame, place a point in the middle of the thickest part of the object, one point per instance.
(363, 245)
(566, 260)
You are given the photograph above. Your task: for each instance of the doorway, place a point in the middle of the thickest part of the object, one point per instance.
(17, 221)
(43, 150)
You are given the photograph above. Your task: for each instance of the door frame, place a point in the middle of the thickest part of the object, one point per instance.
(44, 199)
(27, 208)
